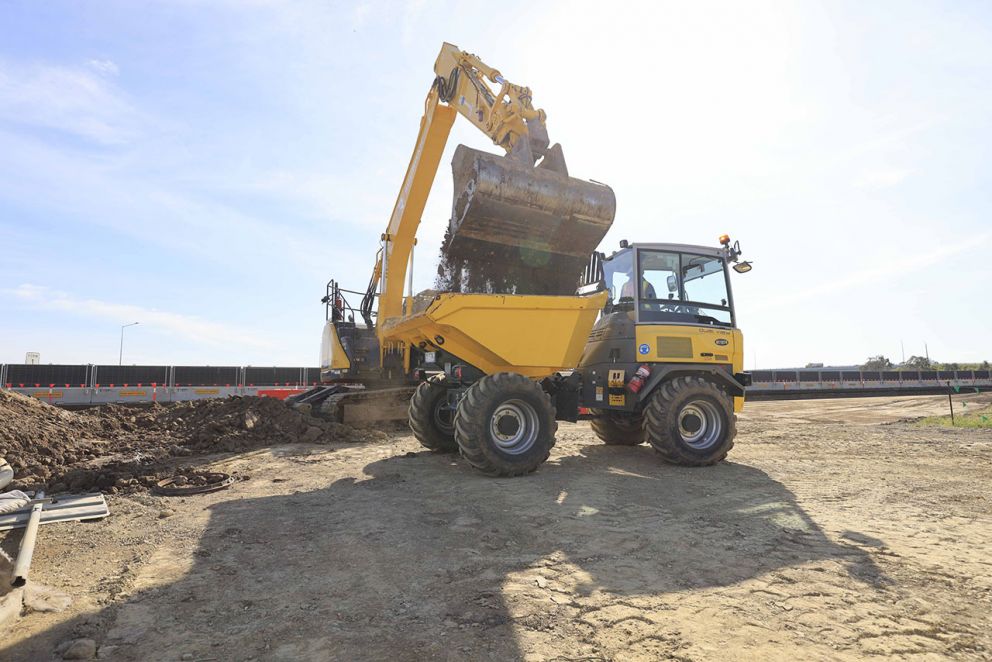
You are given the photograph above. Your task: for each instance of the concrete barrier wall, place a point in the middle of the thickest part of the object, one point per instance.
(19, 375)
(219, 382)
(85, 396)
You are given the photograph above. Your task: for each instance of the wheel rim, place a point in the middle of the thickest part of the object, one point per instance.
(700, 424)
(444, 417)
(514, 426)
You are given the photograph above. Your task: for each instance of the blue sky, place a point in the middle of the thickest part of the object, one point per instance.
(205, 167)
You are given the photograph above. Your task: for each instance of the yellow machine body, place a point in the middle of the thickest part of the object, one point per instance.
(534, 336)
(332, 353)
(692, 344)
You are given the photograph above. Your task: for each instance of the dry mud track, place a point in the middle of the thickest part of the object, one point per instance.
(821, 539)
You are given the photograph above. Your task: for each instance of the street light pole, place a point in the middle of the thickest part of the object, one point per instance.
(120, 359)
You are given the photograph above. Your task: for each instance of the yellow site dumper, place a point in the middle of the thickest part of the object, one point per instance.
(542, 328)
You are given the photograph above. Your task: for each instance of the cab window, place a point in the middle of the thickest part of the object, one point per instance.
(618, 270)
(659, 276)
(703, 280)
(682, 288)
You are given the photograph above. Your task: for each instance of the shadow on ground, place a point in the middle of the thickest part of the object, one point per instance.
(421, 558)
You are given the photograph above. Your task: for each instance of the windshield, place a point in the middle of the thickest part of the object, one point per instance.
(618, 270)
(682, 288)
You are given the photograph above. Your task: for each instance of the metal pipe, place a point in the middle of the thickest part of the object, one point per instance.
(6, 473)
(950, 403)
(120, 358)
(19, 576)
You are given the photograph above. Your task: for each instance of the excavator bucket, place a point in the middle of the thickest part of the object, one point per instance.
(505, 207)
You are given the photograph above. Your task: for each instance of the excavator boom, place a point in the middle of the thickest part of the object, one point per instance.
(521, 205)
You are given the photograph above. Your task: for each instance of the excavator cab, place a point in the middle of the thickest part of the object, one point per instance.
(349, 349)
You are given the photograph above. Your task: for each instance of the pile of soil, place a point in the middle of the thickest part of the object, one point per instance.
(119, 447)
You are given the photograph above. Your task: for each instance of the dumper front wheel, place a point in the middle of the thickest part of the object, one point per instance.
(505, 425)
(690, 421)
(617, 429)
(432, 419)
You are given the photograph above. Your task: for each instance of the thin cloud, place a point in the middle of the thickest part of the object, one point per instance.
(104, 67)
(189, 327)
(78, 100)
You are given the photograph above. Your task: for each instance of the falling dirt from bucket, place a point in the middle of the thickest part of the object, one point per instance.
(519, 230)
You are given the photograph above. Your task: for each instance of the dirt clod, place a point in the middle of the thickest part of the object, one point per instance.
(80, 649)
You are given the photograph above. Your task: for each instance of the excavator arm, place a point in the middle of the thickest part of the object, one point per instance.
(506, 115)
(505, 201)
(400, 235)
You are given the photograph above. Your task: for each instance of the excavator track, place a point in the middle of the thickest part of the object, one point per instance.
(354, 404)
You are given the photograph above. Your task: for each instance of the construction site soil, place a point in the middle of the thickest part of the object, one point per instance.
(118, 447)
(837, 530)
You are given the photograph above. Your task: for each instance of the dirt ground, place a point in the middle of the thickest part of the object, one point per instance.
(835, 531)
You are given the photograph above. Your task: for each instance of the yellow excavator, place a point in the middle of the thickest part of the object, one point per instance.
(643, 342)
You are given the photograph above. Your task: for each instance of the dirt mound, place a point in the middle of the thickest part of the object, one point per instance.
(119, 447)
(37, 438)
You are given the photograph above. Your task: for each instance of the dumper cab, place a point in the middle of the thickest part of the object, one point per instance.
(669, 308)
(664, 361)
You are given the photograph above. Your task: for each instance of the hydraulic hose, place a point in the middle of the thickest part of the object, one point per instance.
(446, 87)
(6, 473)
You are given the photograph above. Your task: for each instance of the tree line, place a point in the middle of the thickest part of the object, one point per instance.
(919, 363)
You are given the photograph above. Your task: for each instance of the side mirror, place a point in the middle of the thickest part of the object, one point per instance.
(742, 267)
(673, 284)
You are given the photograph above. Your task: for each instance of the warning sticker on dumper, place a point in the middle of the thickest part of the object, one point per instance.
(643, 348)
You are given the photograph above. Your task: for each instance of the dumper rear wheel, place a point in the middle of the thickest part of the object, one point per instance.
(431, 419)
(505, 425)
(618, 429)
(690, 421)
